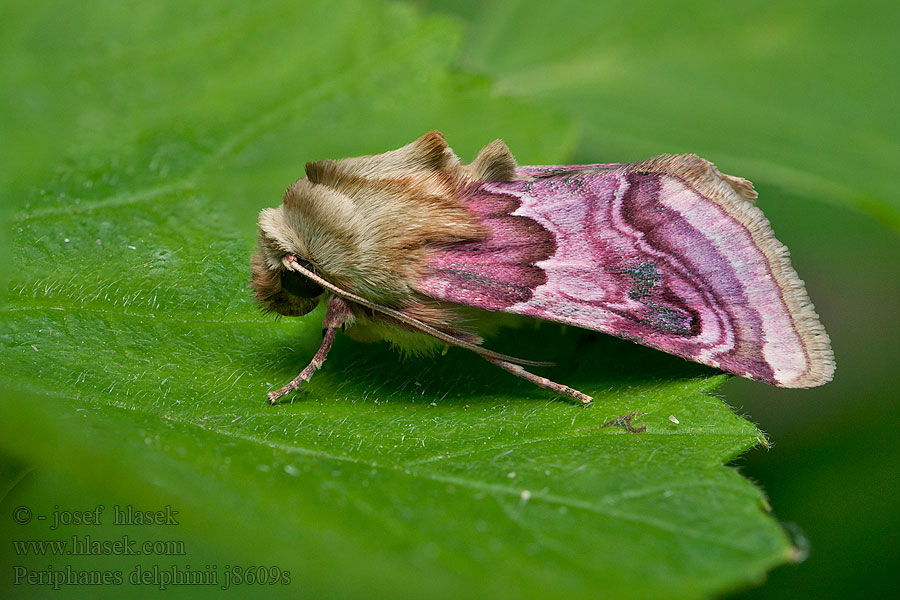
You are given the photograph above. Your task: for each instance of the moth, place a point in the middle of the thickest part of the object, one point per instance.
(669, 253)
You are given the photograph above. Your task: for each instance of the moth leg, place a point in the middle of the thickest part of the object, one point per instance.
(313, 366)
(336, 317)
(543, 382)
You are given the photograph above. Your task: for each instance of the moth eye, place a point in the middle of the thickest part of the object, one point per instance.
(298, 285)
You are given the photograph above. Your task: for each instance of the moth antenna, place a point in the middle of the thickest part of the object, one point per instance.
(543, 382)
(290, 262)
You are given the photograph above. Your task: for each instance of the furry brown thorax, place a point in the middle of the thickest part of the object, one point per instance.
(367, 224)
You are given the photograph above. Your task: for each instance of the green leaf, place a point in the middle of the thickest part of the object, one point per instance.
(135, 365)
(796, 94)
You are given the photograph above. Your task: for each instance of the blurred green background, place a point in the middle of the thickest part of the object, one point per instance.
(799, 97)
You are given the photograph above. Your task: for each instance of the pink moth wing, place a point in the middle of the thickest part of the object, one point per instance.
(668, 253)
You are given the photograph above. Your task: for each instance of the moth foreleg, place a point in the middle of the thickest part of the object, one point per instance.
(543, 382)
(337, 315)
(307, 373)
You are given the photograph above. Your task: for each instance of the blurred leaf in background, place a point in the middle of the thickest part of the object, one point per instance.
(799, 94)
(142, 141)
(800, 97)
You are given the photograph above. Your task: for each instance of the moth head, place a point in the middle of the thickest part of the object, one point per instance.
(277, 288)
